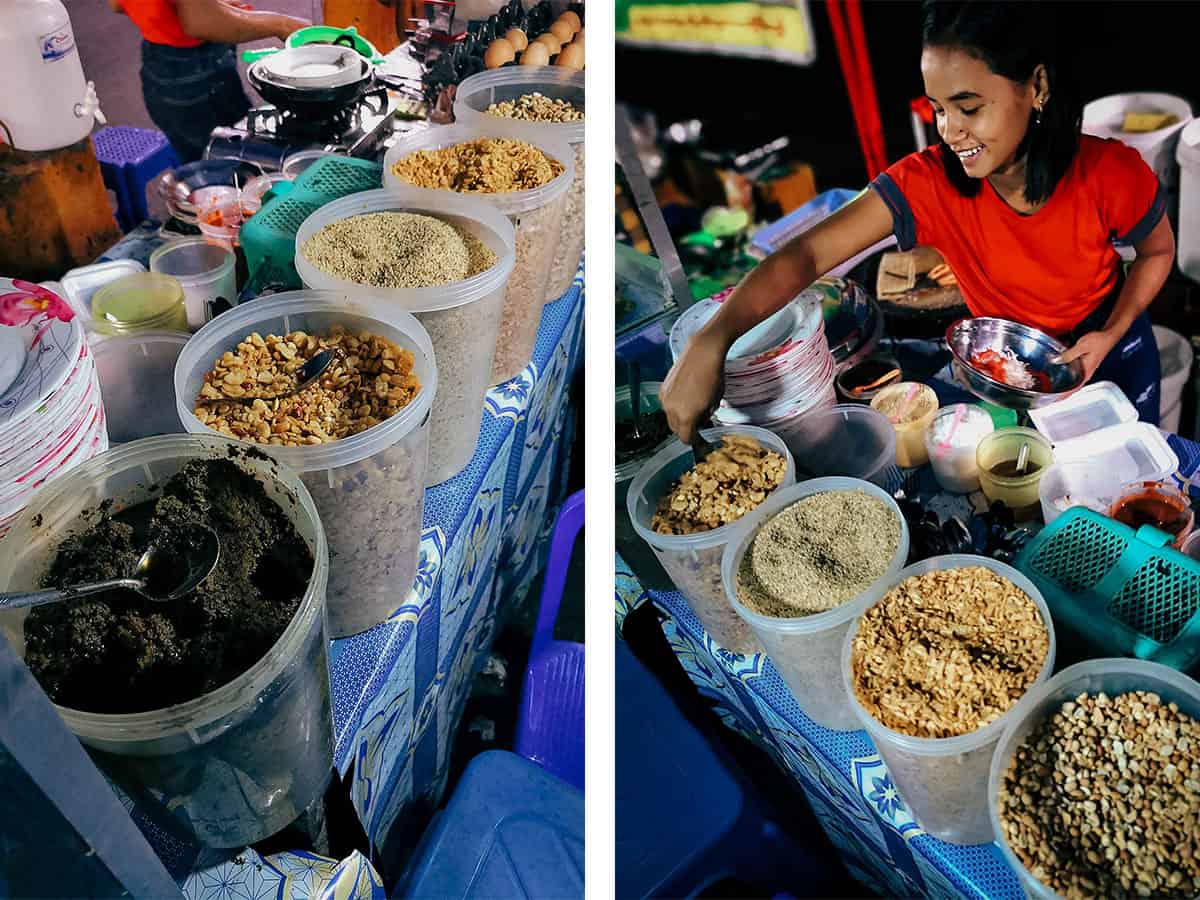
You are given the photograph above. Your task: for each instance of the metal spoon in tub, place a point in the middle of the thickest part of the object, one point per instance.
(306, 375)
(160, 575)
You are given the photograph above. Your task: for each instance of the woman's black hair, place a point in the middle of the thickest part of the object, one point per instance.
(1013, 38)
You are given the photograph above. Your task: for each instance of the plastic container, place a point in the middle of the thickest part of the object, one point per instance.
(146, 301)
(1191, 547)
(943, 781)
(1158, 504)
(536, 216)
(1082, 483)
(1113, 677)
(1187, 154)
(1135, 451)
(240, 763)
(1177, 357)
(694, 560)
(951, 442)
(221, 220)
(205, 271)
(1105, 117)
(1018, 492)
(807, 650)
(471, 101)
(1092, 408)
(80, 285)
(137, 380)
(633, 549)
(369, 487)
(847, 439)
(463, 319)
(914, 405)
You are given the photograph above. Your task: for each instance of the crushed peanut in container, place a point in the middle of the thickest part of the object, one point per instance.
(1102, 799)
(371, 381)
(734, 479)
(536, 107)
(818, 553)
(397, 250)
(948, 652)
(484, 165)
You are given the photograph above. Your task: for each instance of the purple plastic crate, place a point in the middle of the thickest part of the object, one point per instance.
(130, 158)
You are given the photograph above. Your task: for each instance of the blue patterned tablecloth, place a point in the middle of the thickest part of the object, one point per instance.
(400, 689)
(840, 772)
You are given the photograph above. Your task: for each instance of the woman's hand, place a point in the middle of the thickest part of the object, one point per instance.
(1091, 350)
(695, 384)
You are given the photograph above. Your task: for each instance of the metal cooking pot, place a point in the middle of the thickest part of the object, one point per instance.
(319, 102)
(312, 66)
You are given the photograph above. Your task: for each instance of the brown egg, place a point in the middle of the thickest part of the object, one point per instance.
(498, 53)
(573, 19)
(550, 41)
(571, 56)
(536, 55)
(562, 30)
(517, 38)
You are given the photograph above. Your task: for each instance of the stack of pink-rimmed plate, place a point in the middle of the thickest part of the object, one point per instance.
(51, 413)
(775, 373)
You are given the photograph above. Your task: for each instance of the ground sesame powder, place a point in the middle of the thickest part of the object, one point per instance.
(397, 250)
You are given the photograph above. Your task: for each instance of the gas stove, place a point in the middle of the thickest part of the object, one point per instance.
(268, 135)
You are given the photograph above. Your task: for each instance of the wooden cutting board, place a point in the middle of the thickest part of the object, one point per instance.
(54, 211)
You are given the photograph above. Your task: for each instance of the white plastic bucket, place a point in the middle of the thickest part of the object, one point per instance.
(1177, 356)
(1104, 117)
(205, 271)
(1187, 153)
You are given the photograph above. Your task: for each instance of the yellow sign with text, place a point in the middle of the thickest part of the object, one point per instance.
(777, 30)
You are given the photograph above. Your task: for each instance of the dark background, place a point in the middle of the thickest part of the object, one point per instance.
(1117, 47)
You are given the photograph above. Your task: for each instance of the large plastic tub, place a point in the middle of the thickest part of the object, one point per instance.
(137, 380)
(1177, 357)
(477, 93)
(807, 650)
(944, 780)
(1113, 677)
(536, 216)
(368, 487)
(1104, 118)
(847, 439)
(694, 560)
(1188, 156)
(462, 318)
(241, 762)
(205, 271)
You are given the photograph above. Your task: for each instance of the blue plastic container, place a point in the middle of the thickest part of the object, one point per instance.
(511, 829)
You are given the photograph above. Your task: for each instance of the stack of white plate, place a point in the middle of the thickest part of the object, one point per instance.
(777, 372)
(51, 414)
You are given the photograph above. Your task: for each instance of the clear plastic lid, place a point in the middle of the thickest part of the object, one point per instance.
(1091, 408)
(1134, 451)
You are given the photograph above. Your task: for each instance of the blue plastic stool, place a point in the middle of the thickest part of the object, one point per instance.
(684, 820)
(130, 158)
(550, 725)
(511, 830)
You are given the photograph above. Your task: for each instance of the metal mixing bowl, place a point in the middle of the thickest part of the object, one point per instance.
(1036, 349)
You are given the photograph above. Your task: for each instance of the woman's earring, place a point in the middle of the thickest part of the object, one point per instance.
(1037, 115)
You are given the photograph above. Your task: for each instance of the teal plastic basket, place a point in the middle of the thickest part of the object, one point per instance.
(1127, 593)
(269, 237)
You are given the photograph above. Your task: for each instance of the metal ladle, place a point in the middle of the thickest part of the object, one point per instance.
(158, 576)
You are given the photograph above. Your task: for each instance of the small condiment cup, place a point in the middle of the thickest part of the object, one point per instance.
(910, 432)
(1143, 501)
(1018, 492)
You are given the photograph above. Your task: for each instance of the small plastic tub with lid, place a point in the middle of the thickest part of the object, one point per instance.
(910, 406)
(951, 441)
(847, 439)
(145, 301)
(1158, 504)
(536, 216)
(943, 781)
(270, 727)
(205, 270)
(463, 318)
(137, 381)
(1092, 408)
(694, 560)
(998, 456)
(807, 650)
(1112, 677)
(476, 94)
(369, 487)
(1069, 484)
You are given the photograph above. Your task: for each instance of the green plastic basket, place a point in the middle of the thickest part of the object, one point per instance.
(269, 237)
(1128, 593)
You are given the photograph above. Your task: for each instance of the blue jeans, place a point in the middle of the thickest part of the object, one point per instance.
(1133, 364)
(189, 91)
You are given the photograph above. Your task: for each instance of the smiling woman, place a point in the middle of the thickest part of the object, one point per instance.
(1023, 208)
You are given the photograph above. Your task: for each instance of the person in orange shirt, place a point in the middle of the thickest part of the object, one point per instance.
(1022, 206)
(189, 66)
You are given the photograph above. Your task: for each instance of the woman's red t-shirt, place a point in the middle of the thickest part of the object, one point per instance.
(158, 21)
(1050, 269)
